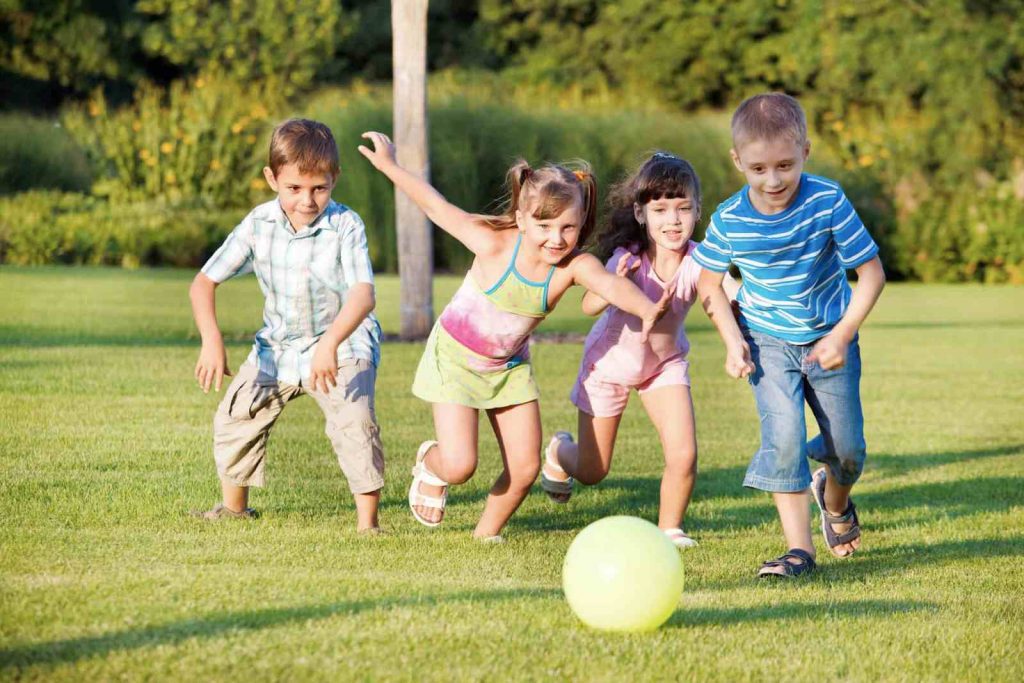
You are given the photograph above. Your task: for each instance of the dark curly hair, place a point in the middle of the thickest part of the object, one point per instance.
(661, 176)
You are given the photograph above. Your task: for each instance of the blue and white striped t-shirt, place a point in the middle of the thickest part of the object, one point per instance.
(305, 277)
(793, 263)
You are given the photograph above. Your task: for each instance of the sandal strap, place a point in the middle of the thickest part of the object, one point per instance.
(423, 475)
(555, 485)
(429, 501)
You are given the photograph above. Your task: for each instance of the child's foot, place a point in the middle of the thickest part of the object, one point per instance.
(496, 538)
(428, 493)
(219, 511)
(370, 531)
(553, 479)
(679, 538)
(794, 563)
(841, 530)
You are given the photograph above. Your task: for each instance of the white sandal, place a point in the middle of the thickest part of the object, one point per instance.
(421, 475)
(558, 490)
(679, 538)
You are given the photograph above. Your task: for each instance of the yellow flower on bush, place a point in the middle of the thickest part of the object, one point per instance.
(170, 178)
(94, 108)
(150, 161)
(256, 183)
(167, 147)
(215, 165)
(237, 127)
(143, 154)
(866, 160)
(251, 139)
(136, 125)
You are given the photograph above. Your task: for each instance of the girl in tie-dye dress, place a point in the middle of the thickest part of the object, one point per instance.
(477, 357)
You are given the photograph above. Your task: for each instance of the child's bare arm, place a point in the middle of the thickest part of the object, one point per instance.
(463, 226)
(588, 272)
(592, 304)
(830, 350)
(212, 365)
(359, 301)
(716, 305)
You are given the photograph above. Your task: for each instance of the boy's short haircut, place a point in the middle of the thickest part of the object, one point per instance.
(769, 116)
(307, 144)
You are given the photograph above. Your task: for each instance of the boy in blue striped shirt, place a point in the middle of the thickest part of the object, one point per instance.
(793, 236)
(319, 334)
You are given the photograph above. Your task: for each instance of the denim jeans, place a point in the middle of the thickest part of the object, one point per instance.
(783, 379)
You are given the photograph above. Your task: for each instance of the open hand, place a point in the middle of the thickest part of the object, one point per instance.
(212, 366)
(383, 152)
(323, 371)
(658, 310)
(627, 264)
(830, 351)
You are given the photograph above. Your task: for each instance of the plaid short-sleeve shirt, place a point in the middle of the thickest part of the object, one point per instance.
(305, 277)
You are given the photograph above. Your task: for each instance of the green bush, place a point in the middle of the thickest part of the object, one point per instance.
(51, 227)
(201, 139)
(472, 144)
(39, 154)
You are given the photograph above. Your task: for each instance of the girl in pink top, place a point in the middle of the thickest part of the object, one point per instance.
(653, 216)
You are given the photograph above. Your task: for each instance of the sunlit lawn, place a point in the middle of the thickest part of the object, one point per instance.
(105, 444)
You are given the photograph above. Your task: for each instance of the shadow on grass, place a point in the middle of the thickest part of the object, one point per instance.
(74, 649)
(639, 495)
(703, 616)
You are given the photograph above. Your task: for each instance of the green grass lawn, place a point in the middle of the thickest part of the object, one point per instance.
(105, 444)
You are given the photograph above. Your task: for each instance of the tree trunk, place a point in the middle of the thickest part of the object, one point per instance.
(415, 243)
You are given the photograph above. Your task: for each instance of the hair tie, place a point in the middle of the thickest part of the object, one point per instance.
(580, 175)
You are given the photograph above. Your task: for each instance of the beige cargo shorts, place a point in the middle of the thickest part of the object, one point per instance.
(254, 401)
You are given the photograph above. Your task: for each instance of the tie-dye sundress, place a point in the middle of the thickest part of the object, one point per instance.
(478, 353)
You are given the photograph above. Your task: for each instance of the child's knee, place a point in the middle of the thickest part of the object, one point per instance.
(458, 468)
(592, 476)
(681, 463)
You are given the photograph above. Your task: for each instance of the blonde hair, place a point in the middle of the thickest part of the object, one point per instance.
(305, 143)
(769, 116)
(546, 192)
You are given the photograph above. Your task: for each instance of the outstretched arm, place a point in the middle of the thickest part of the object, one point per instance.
(588, 272)
(716, 305)
(592, 304)
(830, 350)
(461, 225)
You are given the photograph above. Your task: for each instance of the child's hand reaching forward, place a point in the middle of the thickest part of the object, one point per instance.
(658, 309)
(383, 153)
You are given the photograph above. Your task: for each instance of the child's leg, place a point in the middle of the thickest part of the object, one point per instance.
(455, 456)
(351, 426)
(588, 461)
(834, 397)
(671, 410)
(366, 510)
(241, 425)
(795, 514)
(518, 430)
(234, 498)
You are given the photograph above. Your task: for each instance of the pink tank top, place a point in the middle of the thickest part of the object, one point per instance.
(496, 323)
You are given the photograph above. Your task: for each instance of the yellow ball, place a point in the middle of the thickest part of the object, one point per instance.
(622, 574)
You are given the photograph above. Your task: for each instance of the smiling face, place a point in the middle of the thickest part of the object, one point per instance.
(669, 220)
(555, 237)
(303, 196)
(772, 169)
